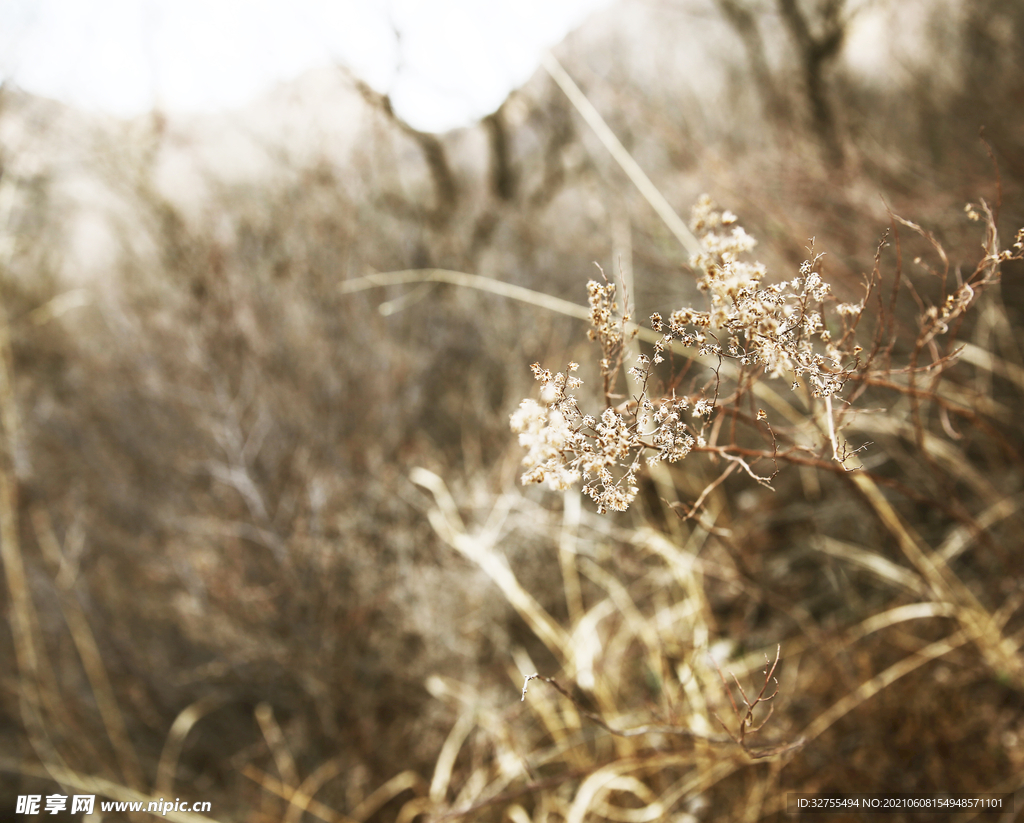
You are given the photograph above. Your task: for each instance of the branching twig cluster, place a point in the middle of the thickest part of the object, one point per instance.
(745, 719)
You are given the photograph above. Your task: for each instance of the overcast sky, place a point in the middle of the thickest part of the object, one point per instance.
(445, 62)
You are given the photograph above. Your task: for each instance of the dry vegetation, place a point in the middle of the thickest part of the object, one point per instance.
(263, 536)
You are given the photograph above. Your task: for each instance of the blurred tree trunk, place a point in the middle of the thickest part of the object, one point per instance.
(744, 22)
(446, 193)
(815, 51)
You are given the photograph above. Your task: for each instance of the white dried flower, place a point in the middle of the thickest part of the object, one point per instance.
(776, 327)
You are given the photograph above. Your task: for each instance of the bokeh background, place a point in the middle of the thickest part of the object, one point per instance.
(225, 578)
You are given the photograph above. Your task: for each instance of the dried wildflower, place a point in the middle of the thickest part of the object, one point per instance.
(778, 328)
(545, 433)
(603, 308)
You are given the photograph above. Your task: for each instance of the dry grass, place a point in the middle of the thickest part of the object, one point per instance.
(263, 542)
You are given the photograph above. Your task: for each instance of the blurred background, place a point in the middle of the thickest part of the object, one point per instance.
(222, 582)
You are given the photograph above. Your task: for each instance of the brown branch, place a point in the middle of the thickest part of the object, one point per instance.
(658, 728)
(746, 722)
(445, 187)
(815, 52)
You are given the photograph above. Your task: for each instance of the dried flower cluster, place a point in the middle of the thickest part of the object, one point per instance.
(778, 327)
(775, 329)
(565, 445)
(749, 329)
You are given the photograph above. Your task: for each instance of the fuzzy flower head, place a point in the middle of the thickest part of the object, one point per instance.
(779, 327)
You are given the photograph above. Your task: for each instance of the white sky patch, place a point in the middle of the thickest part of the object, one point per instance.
(444, 62)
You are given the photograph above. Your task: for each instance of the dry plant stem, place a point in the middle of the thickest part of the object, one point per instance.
(606, 778)
(414, 808)
(890, 617)
(402, 782)
(622, 157)
(22, 608)
(299, 802)
(310, 806)
(449, 752)
(175, 741)
(561, 723)
(977, 624)
(798, 457)
(977, 356)
(278, 746)
(600, 721)
(512, 794)
(444, 519)
(746, 720)
(871, 687)
(376, 280)
(883, 569)
(92, 660)
(694, 510)
(17, 584)
(52, 708)
(567, 557)
(660, 728)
